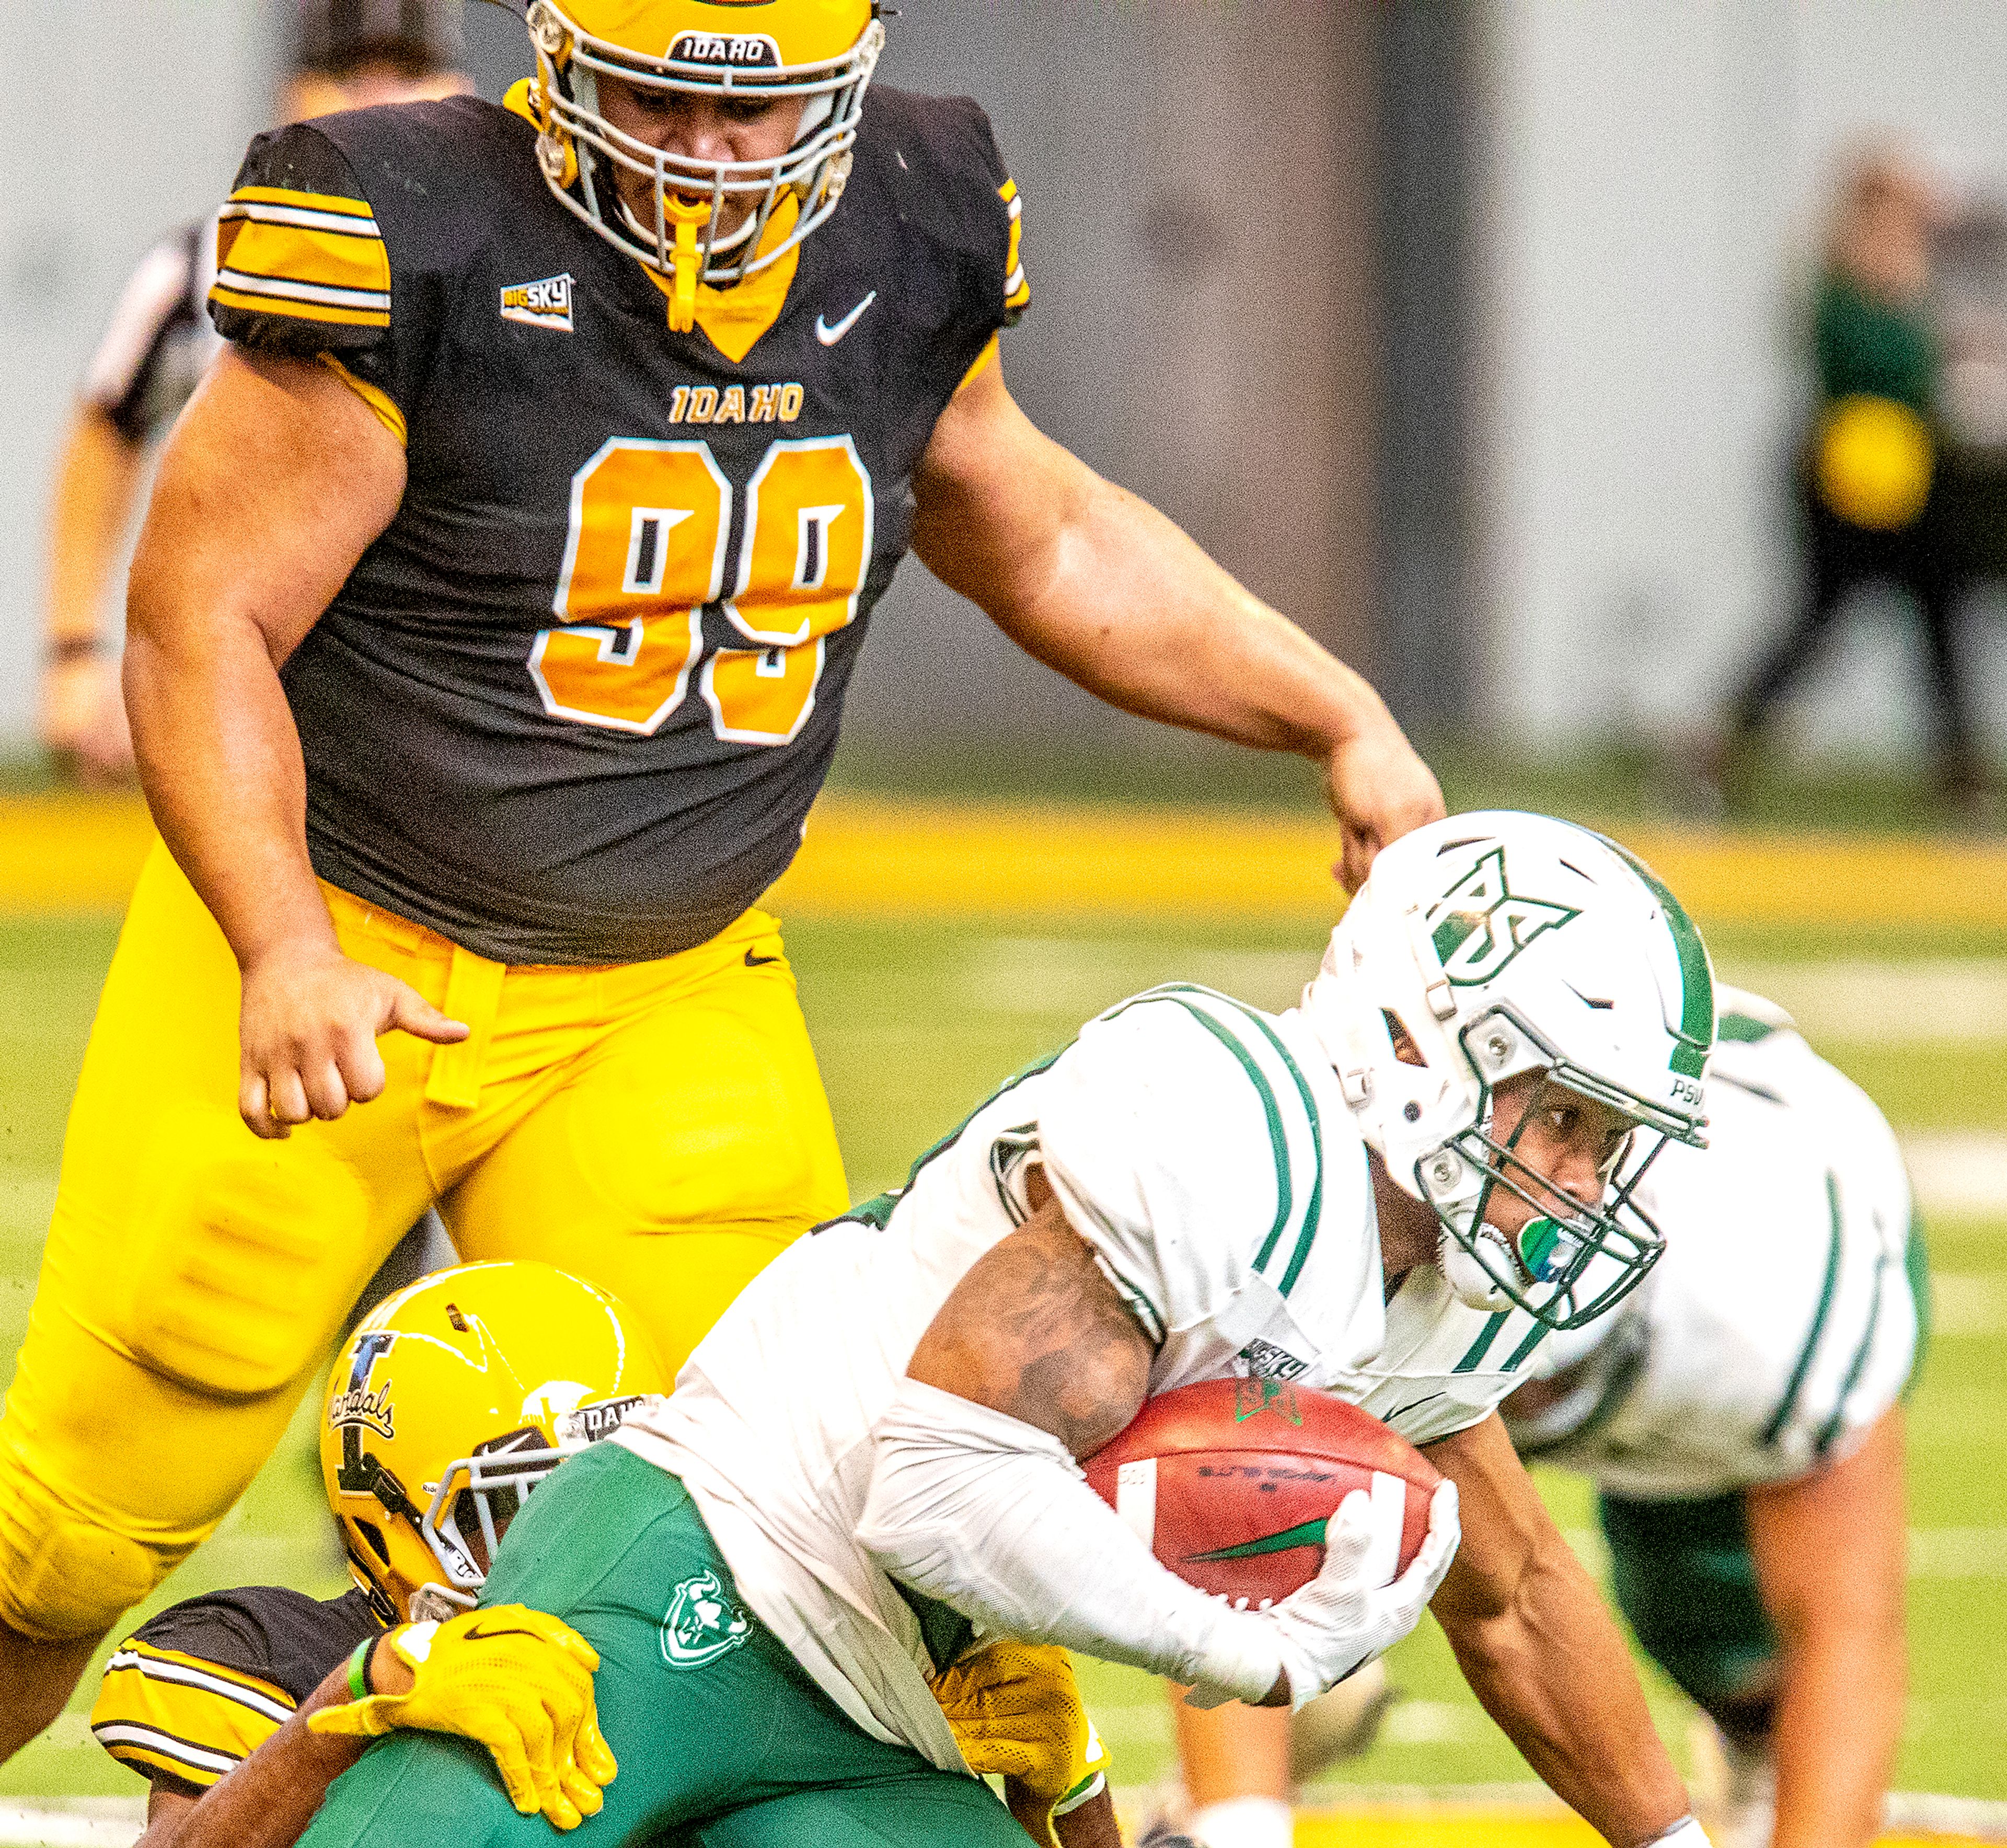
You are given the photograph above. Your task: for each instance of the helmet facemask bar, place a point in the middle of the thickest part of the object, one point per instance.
(813, 168)
(512, 1466)
(1544, 1268)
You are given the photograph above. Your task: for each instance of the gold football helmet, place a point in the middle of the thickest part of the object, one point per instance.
(821, 50)
(450, 1402)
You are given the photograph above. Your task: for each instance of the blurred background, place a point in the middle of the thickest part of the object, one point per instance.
(1623, 389)
(1482, 327)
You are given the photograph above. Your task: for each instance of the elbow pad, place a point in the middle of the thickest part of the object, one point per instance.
(992, 1516)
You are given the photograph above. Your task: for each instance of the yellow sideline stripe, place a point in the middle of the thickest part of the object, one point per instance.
(1472, 1825)
(871, 857)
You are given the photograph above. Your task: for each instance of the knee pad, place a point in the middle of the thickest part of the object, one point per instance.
(247, 1255)
(63, 1576)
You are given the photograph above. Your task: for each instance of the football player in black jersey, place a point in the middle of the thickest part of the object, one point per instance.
(488, 640)
(446, 1406)
(347, 54)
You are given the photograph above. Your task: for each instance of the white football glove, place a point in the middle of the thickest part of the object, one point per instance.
(1353, 1609)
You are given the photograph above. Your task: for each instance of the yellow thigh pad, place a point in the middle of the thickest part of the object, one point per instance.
(246, 1257)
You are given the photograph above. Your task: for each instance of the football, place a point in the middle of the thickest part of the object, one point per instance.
(1230, 1482)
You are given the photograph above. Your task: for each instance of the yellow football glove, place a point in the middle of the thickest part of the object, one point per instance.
(515, 1681)
(1016, 1712)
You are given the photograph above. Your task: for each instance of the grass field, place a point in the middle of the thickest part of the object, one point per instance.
(915, 1019)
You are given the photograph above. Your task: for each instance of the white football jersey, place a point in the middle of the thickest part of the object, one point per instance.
(1205, 1151)
(1781, 1325)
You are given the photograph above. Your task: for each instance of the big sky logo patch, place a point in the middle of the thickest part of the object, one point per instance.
(1480, 924)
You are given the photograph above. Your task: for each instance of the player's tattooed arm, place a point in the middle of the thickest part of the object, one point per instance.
(1034, 1329)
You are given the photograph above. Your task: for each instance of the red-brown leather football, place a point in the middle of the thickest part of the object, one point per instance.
(1230, 1482)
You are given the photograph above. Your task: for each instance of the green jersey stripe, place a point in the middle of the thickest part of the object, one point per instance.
(1788, 1403)
(1482, 1346)
(1857, 1365)
(1314, 1210)
(1917, 1269)
(876, 1211)
(1535, 1335)
(1181, 994)
(1694, 1036)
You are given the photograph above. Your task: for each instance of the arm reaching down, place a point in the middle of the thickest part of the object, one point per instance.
(276, 479)
(517, 1682)
(1537, 1646)
(1830, 1551)
(1100, 586)
(976, 1498)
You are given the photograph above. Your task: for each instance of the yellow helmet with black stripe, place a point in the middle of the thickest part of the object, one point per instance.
(450, 1402)
(820, 52)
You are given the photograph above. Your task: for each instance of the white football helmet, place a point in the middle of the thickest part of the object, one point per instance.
(1499, 944)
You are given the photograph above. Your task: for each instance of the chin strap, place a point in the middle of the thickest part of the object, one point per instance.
(686, 259)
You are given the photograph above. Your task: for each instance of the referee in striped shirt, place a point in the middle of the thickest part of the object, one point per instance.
(348, 53)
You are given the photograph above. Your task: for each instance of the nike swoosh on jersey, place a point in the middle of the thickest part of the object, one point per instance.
(758, 962)
(829, 336)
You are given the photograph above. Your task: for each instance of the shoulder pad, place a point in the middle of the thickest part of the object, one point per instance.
(300, 265)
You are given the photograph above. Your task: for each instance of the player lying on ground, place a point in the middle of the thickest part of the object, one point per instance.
(447, 1405)
(488, 638)
(450, 1402)
(1739, 1412)
(1740, 1416)
(873, 1459)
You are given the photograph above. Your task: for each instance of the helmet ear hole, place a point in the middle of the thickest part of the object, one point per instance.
(1405, 1048)
(374, 1535)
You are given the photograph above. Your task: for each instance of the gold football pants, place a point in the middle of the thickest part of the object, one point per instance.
(657, 1128)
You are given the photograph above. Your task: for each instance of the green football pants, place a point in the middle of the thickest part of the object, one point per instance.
(723, 1740)
(1684, 1578)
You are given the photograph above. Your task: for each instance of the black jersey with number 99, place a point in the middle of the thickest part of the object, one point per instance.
(573, 704)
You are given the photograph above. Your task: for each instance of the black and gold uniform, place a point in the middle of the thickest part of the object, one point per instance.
(562, 726)
(193, 1692)
(572, 707)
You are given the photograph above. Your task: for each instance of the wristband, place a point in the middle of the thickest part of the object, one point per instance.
(1685, 1833)
(359, 1670)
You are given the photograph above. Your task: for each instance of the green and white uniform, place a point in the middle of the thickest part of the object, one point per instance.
(1783, 1322)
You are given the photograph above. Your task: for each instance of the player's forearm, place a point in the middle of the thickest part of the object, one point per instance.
(269, 1799)
(96, 482)
(1129, 607)
(1830, 1551)
(220, 760)
(1838, 1722)
(1550, 1668)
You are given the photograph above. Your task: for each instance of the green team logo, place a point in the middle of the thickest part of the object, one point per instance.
(1480, 924)
(702, 1623)
(1251, 1397)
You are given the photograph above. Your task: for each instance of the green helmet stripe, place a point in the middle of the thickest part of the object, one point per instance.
(1694, 1034)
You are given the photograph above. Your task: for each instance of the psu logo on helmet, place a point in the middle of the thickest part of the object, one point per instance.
(1480, 924)
(741, 51)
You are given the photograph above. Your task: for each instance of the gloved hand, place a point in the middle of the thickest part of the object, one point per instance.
(1016, 1712)
(1331, 1626)
(515, 1680)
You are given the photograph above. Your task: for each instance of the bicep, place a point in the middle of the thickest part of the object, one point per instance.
(1832, 1546)
(995, 496)
(167, 1809)
(276, 479)
(1506, 1527)
(1034, 1330)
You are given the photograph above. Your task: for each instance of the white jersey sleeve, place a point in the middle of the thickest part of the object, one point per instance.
(1214, 1171)
(1782, 1321)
